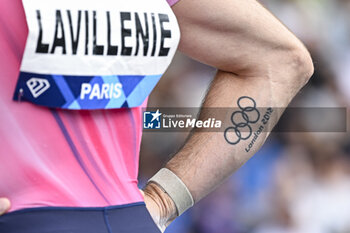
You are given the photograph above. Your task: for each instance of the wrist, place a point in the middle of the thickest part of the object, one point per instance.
(155, 197)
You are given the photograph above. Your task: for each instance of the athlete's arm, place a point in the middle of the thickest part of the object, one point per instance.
(257, 57)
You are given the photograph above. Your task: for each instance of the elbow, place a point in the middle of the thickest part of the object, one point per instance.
(300, 65)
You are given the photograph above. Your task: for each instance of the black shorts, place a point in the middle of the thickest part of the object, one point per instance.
(131, 218)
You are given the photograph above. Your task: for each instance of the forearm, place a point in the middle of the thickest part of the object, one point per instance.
(208, 158)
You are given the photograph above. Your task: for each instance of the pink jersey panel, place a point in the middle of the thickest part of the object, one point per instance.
(172, 2)
(55, 157)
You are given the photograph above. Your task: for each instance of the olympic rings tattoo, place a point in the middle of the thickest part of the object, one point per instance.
(245, 120)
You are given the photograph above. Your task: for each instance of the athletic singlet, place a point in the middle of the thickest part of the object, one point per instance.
(61, 157)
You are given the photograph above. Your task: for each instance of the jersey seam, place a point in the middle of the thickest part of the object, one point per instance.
(105, 216)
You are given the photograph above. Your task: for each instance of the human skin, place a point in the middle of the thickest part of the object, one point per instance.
(256, 56)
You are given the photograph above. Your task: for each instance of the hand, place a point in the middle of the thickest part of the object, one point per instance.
(4, 205)
(159, 205)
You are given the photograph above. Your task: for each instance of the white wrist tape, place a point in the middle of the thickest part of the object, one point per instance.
(175, 188)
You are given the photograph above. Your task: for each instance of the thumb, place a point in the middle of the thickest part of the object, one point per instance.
(4, 205)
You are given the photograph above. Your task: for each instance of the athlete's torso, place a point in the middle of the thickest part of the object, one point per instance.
(61, 157)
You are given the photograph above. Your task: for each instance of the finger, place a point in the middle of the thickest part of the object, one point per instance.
(4, 205)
